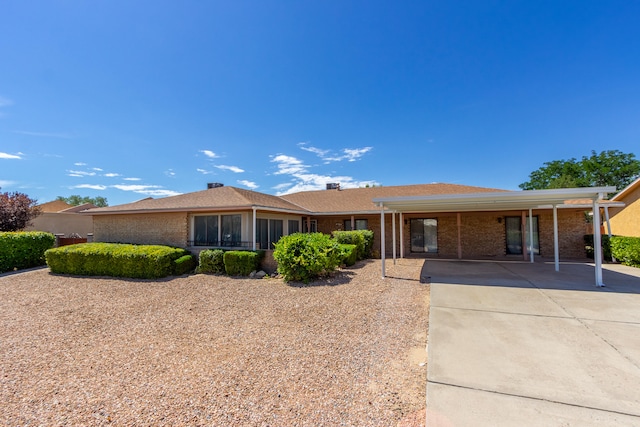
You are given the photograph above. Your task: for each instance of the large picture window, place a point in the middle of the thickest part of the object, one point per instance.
(424, 235)
(206, 230)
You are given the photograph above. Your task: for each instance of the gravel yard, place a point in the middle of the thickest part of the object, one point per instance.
(212, 350)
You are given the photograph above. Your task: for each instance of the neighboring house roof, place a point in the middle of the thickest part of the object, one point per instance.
(54, 206)
(627, 190)
(79, 208)
(219, 198)
(360, 200)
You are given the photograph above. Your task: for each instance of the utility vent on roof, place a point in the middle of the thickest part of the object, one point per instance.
(211, 185)
(333, 186)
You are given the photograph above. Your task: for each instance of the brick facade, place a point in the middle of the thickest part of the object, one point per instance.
(151, 228)
(482, 234)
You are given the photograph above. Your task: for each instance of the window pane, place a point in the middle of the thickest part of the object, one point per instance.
(361, 224)
(514, 235)
(262, 233)
(347, 225)
(205, 230)
(200, 230)
(231, 230)
(424, 235)
(275, 231)
(294, 226)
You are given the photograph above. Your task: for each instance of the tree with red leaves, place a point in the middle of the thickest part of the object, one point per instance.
(16, 211)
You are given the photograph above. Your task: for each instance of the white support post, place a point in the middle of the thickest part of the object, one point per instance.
(556, 250)
(393, 235)
(531, 234)
(254, 229)
(382, 239)
(401, 235)
(597, 243)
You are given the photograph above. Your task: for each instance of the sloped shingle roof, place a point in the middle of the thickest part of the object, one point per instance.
(352, 200)
(361, 199)
(220, 198)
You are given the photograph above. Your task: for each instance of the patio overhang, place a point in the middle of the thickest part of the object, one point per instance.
(501, 201)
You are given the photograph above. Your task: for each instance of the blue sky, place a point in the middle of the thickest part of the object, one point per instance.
(127, 100)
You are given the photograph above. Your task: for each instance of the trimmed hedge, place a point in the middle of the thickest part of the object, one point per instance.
(119, 260)
(349, 253)
(23, 249)
(363, 239)
(305, 256)
(626, 250)
(242, 263)
(606, 246)
(211, 261)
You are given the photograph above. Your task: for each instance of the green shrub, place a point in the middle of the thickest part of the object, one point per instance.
(368, 242)
(305, 256)
(352, 238)
(211, 261)
(118, 260)
(626, 250)
(185, 264)
(348, 254)
(606, 246)
(242, 263)
(24, 249)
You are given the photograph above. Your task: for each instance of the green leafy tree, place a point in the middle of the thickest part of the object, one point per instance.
(77, 200)
(16, 211)
(611, 167)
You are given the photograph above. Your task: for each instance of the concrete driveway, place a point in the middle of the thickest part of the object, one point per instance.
(518, 344)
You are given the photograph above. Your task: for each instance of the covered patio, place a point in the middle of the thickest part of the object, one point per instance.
(528, 200)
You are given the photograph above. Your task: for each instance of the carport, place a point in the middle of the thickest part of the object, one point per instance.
(590, 197)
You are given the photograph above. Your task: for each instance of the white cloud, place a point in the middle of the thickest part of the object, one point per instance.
(170, 173)
(97, 169)
(229, 168)
(349, 154)
(90, 186)
(209, 154)
(6, 183)
(250, 184)
(131, 179)
(149, 190)
(9, 156)
(313, 182)
(305, 181)
(288, 165)
(80, 173)
(282, 186)
(80, 164)
(314, 150)
(111, 175)
(354, 154)
(204, 172)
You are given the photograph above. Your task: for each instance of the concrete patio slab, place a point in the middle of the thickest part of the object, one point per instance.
(522, 344)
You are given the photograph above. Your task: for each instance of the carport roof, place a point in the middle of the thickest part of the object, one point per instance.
(495, 201)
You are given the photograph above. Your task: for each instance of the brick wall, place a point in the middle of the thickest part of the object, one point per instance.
(153, 228)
